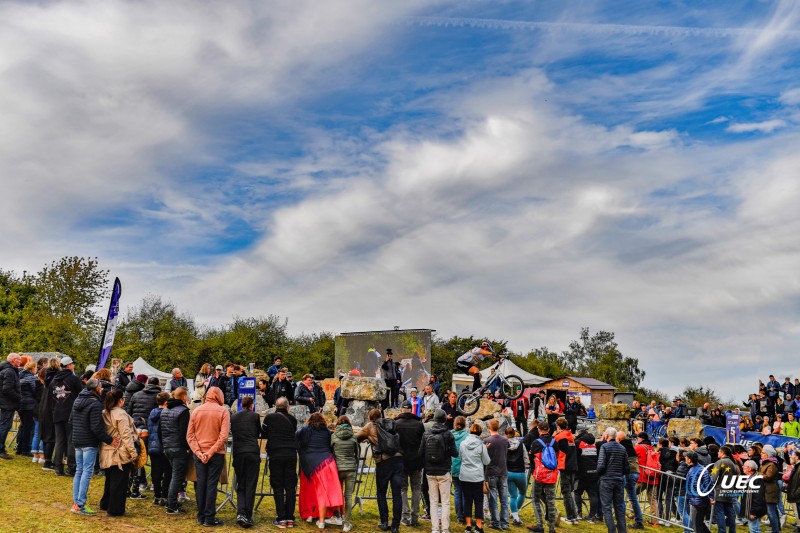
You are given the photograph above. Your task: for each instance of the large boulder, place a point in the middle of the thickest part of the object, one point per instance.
(685, 428)
(614, 411)
(367, 389)
(391, 412)
(602, 425)
(487, 410)
(328, 414)
(358, 410)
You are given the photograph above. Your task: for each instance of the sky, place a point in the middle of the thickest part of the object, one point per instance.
(511, 170)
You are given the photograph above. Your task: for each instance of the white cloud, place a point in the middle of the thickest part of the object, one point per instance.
(766, 126)
(790, 97)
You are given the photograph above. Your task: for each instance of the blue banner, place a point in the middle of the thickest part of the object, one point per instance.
(747, 438)
(247, 387)
(111, 325)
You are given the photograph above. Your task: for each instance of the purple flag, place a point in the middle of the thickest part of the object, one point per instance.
(111, 325)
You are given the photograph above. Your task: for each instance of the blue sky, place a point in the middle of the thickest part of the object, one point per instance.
(503, 169)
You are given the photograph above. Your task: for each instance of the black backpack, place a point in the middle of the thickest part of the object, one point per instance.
(435, 448)
(388, 439)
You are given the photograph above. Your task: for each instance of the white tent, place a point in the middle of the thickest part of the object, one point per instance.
(140, 366)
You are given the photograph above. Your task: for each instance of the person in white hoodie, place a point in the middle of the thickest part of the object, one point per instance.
(474, 457)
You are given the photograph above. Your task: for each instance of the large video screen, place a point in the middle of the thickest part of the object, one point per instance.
(363, 353)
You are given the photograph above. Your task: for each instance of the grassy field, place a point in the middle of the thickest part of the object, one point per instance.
(35, 500)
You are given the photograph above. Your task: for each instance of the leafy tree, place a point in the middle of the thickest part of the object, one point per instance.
(599, 357)
(310, 353)
(645, 395)
(248, 340)
(697, 396)
(543, 362)
(73, 287)
(445, 352)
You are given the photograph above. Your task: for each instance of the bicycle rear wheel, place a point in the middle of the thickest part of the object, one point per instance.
(468, 403)
(511, 387)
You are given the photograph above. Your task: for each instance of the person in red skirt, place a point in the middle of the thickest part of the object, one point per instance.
(320, 489)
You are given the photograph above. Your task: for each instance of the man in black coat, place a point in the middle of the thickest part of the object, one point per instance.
(88, 431)
(612, 467)
(410, 429)
(124, 376)
(172, 428)
(304, 393)
(246, 429)
(143, 402)
(64, 389)
(10, 395)
(389, 370)
(281, 387)
(279, 429)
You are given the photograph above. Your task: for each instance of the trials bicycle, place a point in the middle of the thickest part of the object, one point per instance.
(510, 387)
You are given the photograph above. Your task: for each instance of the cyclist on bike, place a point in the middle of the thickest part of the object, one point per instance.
(468, 363)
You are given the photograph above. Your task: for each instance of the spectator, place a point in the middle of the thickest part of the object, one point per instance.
(718, 418)
(666, 491)
(389, 370)
(319, 396)
(497, 475)
(612, 467)
(178, 380)
(773, 391)
(388, 470)
(538, 411)
(281, 388)
(516, 464)
(218, 379)
(459, 434)
(117, 461)
(143, 402)
(104, 377)
(567, 468)
(201, 381)
(553, 410)
(246, 429)
(787, 390)
(208, 430)
(704, 414)
(320, 488)
(434, 382)
(587, 474)
(160, 470)
(10, 397)
(703, 457)
(132, 388)
(437, 448)
(450, 409)
(544, 479)
(64, 388)
(416, 402)
(474, 457)
(520, 409)
(772, 494)
(430, 401)
(37, 446)
(88, 431)
(698, 477)
(723, 501)
(27, 408)
(275, 368)
(304, 393)
(631, 479)
(173, 424)
(47, 431)
(678, 409)
(346, 451)
(793, 487)
(683, 505)
(754, 504)
(279, 429)
(791, 428)
(411, 430)
(124, 376)
(339, 405)
(571, 414)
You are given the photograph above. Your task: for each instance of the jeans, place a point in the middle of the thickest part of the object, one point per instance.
(630, 489)
(725, 513)
(414, 478)
(545, 492)
(517, 488)
(459, 498)
(755, 525)
(439, 491)
(348, 479)
(774, 517)
(84, 459)
(388, 472)
(567, 492)
(179, 460)
(6, 420)
(781, 509)
(25, 434)
(37, 446)
(283, 480)
(206, 486)
(498, 493)
(684, 511)
(612, 498)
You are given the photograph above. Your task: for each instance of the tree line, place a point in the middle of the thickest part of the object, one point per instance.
(62, 308)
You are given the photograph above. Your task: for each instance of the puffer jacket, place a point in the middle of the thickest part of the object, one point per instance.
(153, 439)
(142, 403)
(132, 388)
(9, 386)
(88, 428)
(345, 448)
(27, 385)
(459, 436)
(173, 425)
(474, 456)
(118, 424)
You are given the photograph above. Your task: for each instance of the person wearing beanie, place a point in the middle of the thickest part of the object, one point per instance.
(772, 494)
(437, 448)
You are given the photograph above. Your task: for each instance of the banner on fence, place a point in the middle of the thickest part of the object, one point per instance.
(747, 438)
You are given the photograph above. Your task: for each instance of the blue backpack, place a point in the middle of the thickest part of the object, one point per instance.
(549, 457)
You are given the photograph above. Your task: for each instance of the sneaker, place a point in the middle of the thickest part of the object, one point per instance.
(517, 522)
(75, 508)
(383, 526)
(334, 521)
(536, 529)
(88, 511)
(321, 525)
(42, 460)
(347, 527)
(406, 521)
(782, 520)
(48, 465)
(177, 510)
(636, 526)
(425, 516)
(182, 497)
(35, 460)
(310, 519)
(289, 523)
(137, 497)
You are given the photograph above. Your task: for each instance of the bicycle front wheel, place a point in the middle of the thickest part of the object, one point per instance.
(468, 403)
(511, 387)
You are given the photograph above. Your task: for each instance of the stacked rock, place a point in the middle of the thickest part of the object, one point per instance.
(616, 415)
(365, 394)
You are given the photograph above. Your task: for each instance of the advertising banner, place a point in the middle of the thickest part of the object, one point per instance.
(747, 438)
(732, 428)
(247, 387)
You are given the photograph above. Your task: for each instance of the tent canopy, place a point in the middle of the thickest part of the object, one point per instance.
(140, 366)
(509, 368)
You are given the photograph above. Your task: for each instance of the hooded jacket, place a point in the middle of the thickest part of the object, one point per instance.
(458, 435)
(142, 403)
(517, 456)
(411, 430)
(132, 388)
(153, 437)
(568, 456)
(173, 424)
(447, 443)
(703, 457)
(474, 456)
(88, 428)
(209, 425)
(27, 384)
(9, 386)
(64, 389)
(345, 448)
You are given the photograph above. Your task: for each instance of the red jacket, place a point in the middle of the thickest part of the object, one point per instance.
(541, 474)
(559, 436)
(525, 406)
(641, 453)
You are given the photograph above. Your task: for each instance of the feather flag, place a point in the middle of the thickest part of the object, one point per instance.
(111, 325)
